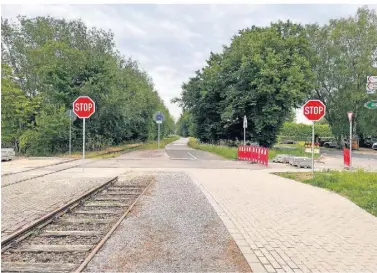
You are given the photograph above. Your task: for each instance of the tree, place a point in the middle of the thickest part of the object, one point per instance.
(345, 54)
(55, 61)
(263, 74)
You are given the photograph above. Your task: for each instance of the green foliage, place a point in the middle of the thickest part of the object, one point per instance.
(185, 126)
(221, 150)
(263, 74)
(358, 186)
(52, 62)
(295, 131)
(231, 152)
(345, 54)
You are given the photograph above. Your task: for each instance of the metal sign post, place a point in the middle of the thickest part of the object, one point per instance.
(350, 142)
(313, 149)
(83, 138)
(244, 130)
(72, 118)
(70, 132)
(158, 117)
(314, 110)
(84, 107)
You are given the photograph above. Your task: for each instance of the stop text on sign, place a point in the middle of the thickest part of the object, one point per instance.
(314, 110)
(84, 107)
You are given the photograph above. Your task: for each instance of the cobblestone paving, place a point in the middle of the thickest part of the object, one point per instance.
(286, 226)
(26, 201)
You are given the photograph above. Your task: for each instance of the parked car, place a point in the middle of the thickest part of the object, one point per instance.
(374, 146)
(288, 142)
(330, 144)
(7, 154)
(369, 141)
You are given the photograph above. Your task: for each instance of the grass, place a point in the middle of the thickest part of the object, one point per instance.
(358, 186)
(115, 151)
(221, 150)
(231, 152)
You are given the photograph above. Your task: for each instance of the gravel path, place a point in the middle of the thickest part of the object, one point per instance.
(172, 229)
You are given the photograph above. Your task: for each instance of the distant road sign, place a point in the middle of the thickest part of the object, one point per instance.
(84, 107)
(371, 104)
(371, 79)
(159, 116)
(70, 114)
(372, 85)
(314, 110)
(349, 114)
(244, 122)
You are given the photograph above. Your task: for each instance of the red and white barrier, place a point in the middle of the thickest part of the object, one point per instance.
(253, 154)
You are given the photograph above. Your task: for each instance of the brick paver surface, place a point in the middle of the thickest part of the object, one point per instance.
(286, 226)
(24, 202)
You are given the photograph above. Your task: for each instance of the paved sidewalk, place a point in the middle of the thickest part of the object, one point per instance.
(286, 226)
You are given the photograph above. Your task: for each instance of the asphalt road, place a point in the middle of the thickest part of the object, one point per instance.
(355, 154)
(178, 150)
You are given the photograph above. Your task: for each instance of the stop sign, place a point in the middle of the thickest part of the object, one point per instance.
(314, 109)
(84, 107)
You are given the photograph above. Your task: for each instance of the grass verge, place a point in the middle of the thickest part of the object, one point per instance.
(231, 152)
(115, 151)
(224, 151)
(358, 186)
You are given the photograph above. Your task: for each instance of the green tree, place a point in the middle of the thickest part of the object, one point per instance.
(263, 74)
(345, 55)
(56, 61)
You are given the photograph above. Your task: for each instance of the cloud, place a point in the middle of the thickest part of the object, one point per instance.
(172, 41)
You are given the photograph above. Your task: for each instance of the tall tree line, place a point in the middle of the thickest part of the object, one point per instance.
(47, 63)
(267, 71)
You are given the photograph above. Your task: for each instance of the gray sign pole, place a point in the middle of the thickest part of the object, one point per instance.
(313, 149)
(350, 141)
(158, 135)
(70, 132)
(83, 139)
(350, 144)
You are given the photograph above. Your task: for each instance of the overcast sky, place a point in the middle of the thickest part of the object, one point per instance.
(172, 41)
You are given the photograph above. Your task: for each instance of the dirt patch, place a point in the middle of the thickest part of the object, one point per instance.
(234, 254)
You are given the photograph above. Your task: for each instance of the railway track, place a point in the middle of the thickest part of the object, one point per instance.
(69, 237)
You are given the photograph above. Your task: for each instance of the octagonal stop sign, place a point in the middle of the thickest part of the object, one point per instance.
(84, 107)
(314, 109)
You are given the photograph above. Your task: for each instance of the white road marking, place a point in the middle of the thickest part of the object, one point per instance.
(180, 158)
(192, 155)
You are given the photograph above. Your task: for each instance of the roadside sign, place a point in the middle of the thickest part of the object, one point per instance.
(350, 116)
(71, 115)
(158, 116)
(84, 107)
(372, 79)
(244, 122)
(314, 110)
(371, 85)
(371, 104)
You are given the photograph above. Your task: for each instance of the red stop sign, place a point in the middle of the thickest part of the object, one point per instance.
(84, 107)
(314, 109)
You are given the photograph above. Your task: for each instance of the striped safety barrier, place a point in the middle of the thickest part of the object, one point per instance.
(254, 154)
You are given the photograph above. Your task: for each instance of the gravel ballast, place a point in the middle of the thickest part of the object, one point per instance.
(173, 228)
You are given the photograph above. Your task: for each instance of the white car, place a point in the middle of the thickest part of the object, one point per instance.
(7, 154)
(374, 146)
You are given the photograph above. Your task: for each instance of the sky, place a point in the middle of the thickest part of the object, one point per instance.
(171, 42)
